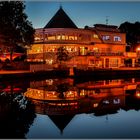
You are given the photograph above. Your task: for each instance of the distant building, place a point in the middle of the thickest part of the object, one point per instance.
(99, 46)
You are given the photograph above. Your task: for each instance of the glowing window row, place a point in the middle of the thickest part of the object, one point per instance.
(56, 37)
(39, 49)
(107, 37)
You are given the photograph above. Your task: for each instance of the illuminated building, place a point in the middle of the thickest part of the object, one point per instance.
(99, 46)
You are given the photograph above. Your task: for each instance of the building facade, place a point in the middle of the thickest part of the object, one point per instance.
(100, 46)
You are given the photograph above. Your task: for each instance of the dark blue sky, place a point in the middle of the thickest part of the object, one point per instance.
(83, 13)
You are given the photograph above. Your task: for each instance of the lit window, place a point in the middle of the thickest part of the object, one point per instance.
(66, 37)
(51, 37)
(114, 62)
(95, 105)
(95, 36)
(37, 39)
(117, 38)
(49, 82)
(38, 50)
(49, 61)
(63, 37)
(75, 37)
(82, 93)
(71, 37)
(96, 49)
(58, 37)
(138, 49)
(69, 49)
(106, 37)
(91, 62)
(116, 101)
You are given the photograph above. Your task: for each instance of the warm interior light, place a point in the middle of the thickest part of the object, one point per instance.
(95, 105)
(138, 49)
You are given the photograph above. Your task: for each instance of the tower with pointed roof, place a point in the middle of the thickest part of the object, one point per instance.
(60, 20)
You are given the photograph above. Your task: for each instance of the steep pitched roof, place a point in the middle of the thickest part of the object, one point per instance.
(60, 20)
(61, 121)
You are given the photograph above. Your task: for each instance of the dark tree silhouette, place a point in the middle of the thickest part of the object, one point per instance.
(61, 89)
(62, 54)
(132, 31)
(15, 29)
(15, 121)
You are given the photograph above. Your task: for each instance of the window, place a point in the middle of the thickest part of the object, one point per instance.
(114, 62)
(58, 37)
(96, 49)
(117, 38)
(63, 37)
(37, 38)
(91, 62)
(71, 37)
(95, 36)
(75, 37)
(51, 37)
(66, 37)
(106, 37)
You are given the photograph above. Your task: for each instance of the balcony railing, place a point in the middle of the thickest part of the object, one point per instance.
(105, 54)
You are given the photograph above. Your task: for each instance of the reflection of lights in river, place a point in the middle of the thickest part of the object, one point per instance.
(95, 105)
(138, 95)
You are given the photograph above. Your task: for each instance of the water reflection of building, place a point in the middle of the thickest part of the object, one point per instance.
(14, 86)
(51, 89)
(95, 97)
(61, 121)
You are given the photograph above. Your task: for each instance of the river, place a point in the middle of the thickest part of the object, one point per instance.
(67, 108)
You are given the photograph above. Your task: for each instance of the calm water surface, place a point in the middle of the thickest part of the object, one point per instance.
(65, 108)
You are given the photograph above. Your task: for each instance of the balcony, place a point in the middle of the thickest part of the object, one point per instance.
(105, 54)
(130, 54)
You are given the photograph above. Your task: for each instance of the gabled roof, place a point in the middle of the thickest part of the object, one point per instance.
(60, 20)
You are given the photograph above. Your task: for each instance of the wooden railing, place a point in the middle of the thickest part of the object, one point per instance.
(105, 54)
(40, 67)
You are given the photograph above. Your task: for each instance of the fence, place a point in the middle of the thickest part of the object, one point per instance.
(40, 67)
(14, 66)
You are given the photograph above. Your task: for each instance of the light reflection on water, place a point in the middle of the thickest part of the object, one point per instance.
(64, 108)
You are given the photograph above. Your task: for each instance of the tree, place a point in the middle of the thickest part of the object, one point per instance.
(62, 54)
(132, 31)
(15, 29)
(13, 115)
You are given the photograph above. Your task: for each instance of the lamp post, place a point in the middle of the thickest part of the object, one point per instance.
(43, 46)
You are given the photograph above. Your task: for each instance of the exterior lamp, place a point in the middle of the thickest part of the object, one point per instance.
(138, 94)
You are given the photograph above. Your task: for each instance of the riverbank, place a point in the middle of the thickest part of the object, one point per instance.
(107, 73)
(77, 73)
(22, 74)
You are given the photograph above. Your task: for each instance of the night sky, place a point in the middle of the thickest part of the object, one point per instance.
(83, 13)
